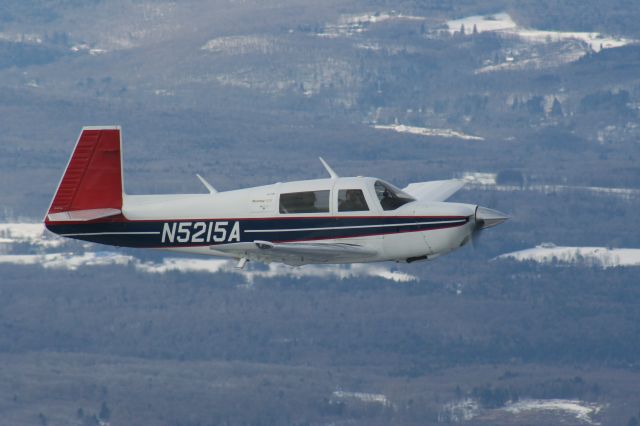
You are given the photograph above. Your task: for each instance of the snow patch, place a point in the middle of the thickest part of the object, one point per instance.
(348, 25)
(27, 38)
(22, 231)
(239, 45)
(376, 398)
(86, 48)
(458, 411)
(177, 264)
(30, 233)
(68, 261)
(467, 409)
(582, 411)
(477, 178)
(591, 256)
(163, 92)
(623, 192)
(483, 23)
(488, 181)
(424, 131)
(274, 270)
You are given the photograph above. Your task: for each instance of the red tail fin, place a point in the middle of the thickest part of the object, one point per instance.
(91, 186)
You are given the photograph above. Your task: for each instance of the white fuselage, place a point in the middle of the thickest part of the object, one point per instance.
(401, 239)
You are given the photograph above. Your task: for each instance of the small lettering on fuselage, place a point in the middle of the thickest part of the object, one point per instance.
(201, 232)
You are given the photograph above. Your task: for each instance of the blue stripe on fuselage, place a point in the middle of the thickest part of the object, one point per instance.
(206, 232)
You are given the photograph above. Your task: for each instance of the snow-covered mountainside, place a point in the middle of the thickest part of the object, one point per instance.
(504, 24)
(570, 45)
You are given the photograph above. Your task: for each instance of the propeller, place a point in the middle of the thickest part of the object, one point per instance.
(475, 237)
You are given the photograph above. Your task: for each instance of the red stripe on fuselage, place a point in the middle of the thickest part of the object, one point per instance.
(122, 219)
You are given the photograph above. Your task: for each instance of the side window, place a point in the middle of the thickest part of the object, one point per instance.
(351, 200)
(305, 202)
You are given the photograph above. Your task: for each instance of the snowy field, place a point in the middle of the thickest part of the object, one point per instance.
(581, 410)
(504, 24)
(570, 45)
(239, 45)
(374, 398)
(349, 25)
(425, 131)
(468, 409)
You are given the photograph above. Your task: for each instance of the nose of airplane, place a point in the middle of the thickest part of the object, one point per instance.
(486, 218)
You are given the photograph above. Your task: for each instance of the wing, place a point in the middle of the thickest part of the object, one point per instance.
(295, 254)
(437, 190)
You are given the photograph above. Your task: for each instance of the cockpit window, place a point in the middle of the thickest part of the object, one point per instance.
(305, 202)
(391, 197)
(351, 200)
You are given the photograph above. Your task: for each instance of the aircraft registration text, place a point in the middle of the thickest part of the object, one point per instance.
(201, 232)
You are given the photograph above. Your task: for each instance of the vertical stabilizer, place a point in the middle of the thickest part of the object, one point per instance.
(91, 186)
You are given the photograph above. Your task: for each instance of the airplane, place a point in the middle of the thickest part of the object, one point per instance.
(334, 220)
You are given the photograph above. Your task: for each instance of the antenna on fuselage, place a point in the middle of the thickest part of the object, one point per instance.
(333, 174)
(210, 188)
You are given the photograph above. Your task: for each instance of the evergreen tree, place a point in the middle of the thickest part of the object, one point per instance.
(556, 108)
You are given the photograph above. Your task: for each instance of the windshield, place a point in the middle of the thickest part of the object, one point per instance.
(391, 197)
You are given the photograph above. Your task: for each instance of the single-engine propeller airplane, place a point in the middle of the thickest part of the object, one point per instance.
(333, 220)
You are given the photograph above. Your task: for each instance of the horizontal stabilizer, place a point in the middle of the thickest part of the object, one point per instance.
(82, 215)
(437, 190)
